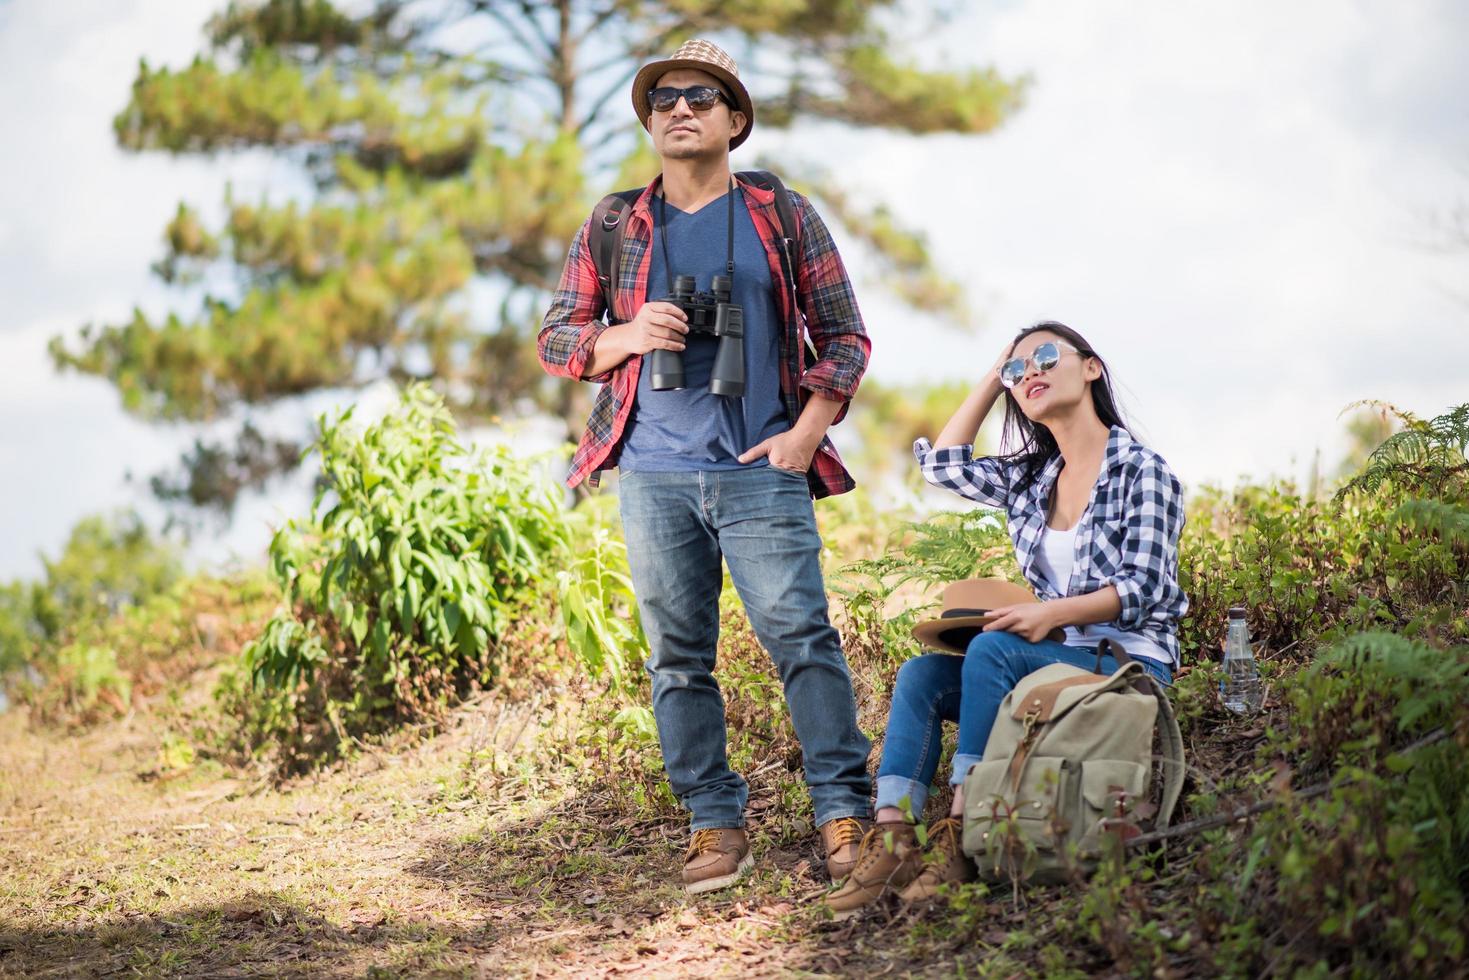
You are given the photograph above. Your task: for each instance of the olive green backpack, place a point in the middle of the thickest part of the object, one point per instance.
(1069, 764)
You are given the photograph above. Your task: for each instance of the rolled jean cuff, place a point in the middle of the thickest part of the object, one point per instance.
(892, 789)
(962, 762)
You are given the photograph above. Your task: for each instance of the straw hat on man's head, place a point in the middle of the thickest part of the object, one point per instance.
(966, 611)
(699, 56)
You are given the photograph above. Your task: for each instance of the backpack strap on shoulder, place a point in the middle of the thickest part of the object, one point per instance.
(790, 232)
(605, 241)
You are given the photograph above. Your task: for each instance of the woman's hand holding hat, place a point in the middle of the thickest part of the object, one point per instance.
(971, 605)
(1030, 620)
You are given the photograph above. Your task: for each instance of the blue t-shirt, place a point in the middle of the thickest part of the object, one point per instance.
(693, 429)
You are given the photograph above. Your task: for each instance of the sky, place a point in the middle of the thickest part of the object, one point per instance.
(1233, 201)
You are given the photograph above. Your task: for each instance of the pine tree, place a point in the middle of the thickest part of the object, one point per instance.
(454, 143)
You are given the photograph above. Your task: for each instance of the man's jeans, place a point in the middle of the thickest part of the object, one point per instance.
(939, 687)
(761, 520)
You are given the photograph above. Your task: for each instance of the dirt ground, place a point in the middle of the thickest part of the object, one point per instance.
(467, 854)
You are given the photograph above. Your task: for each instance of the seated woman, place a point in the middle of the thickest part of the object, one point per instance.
(1095, 517)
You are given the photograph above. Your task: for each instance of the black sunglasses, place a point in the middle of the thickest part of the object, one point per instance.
(699, 97)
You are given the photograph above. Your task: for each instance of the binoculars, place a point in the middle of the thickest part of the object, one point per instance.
(711, 314)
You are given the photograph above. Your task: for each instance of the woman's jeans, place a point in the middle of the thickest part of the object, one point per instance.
(760, 520)
(939, 687)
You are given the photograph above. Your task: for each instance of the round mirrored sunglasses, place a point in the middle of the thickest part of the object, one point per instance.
(1044, 357)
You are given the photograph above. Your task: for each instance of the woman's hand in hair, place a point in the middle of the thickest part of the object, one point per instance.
(1031, 620)
(993, 374)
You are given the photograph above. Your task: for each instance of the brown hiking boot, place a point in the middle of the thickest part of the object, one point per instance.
(842, 837)
(717, 857)
(944, 864)
(888, 857)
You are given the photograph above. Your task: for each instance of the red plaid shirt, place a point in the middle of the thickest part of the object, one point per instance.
(824, 306)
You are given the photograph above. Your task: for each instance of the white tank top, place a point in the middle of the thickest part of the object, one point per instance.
(1054, 561)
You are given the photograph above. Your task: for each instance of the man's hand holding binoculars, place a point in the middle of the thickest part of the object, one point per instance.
(657, 325)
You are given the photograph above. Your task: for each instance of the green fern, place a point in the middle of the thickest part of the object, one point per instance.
(1453, 427)
(1373, 676)
(947, 547)
(1423, 457)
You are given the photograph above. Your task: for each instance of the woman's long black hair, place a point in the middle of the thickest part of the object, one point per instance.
(1032, 444)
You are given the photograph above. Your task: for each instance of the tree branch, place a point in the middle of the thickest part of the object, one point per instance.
(597, 144)
(529, 11)
(602, 100)
(493, 9)
(598, 19)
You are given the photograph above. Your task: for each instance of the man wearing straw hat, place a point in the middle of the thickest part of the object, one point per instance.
(704, 475)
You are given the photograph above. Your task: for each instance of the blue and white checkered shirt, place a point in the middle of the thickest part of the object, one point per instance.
(1127, 536)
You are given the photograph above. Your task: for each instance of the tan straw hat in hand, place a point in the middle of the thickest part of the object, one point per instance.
(966, 611)
(701, 56)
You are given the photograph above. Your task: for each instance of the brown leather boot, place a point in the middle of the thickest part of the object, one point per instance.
(716, 858)
(841, 838)
(888, 857)
(944, 864)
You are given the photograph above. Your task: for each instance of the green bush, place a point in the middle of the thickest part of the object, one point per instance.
(109, 563)
(58, 626)
(416, 559)
(146, 650)
(83, 683)
(1369, 877)
(20, 634)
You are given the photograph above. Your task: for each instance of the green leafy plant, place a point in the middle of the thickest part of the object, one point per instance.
(83, 682)
(62, 626)
(415, 560)
(598, 608)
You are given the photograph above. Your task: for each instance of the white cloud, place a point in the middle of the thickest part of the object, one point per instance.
(1216, 195)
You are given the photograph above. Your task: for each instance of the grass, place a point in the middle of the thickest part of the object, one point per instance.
(471, 853)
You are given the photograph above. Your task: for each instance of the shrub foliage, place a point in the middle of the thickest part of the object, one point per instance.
(414, 561)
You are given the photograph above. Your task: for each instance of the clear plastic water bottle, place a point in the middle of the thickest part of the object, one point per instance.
(1240, 688)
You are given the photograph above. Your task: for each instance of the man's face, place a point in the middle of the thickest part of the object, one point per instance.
(683, 133)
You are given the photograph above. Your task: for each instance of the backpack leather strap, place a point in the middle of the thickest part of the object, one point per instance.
(1169, 734)
(1114, 649)
(605, 241)
(1174, 768)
